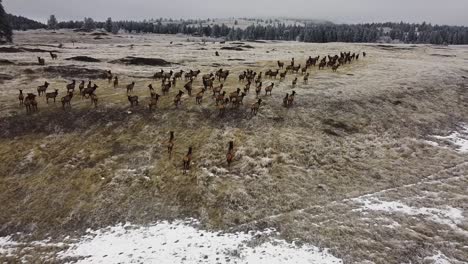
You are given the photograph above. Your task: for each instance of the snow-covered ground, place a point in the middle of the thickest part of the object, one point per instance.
(182, 242)
(459, 139)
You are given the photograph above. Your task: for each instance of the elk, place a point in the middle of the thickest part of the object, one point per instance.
(269, 88)
(235, 94)
(283, 75)
(258, 89)
(130, 87)
(178, 75)
(199, 97)
(294, 82)
(335, 67)
(247, 87)
(71, 86)
(67, 99)
(42, 88)
(280, 64)
(133, 100)
(116, 82)
(165, 87)
(153, 101)
(21, 97)
(322, 65)
(177, 99)
(285, 100)
(151, 89)
(237, 101)
(291, 99)
(89, 91)
(217, 90)
(296, 69)
(170, 143)
(220, 97)
(188, 87)
(222, 106)
(41, 61)
(51, 95)
(52, 55)
(158, 75)
(273, 74)
(30, 103)
(364, 54)
(81, 86)
(230, 153)
(187, 160)
(94, 100)
(306, 78)
(254, 107)
(109, 76)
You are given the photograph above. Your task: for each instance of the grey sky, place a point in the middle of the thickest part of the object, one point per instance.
(452, 12)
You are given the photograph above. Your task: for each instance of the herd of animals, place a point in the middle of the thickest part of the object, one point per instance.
(220, 96)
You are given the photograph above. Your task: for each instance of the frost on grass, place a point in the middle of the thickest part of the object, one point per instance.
(458, 139)
(181, 242)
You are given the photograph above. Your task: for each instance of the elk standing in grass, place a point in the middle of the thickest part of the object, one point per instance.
(187, 160)
(222, 106)
(71, 86)
(306, 78)
(30, 103)
(87, 92)
(170, 143)
(53, 56)
(116, 82)
(294, 82)
(335, 67)
(291, 99)
(199, 97)
(130, 87)
(230, 153)
(254, 108)
(258, 89)
(188, 87)
(133, 100)
(285, 100)
(177, 99)
(94, 100)
(51, 95)
(66, 100)
(21, 97)
(280, 64)
(41, 61)
(269, 88)
(81, 86)
(153, 101)
(42, 89)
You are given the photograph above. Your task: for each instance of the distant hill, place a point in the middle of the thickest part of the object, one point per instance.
(23, 23)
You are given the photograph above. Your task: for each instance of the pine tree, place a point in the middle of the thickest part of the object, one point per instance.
(6, 33)
(89, 24)
(52, 22)
(108, 25)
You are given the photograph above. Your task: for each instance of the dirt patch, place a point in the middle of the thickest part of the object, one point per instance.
(142, 61)
(232, 48)
(5, 77)
(83, 58)
(75, 72)
(444, 55)
(5, 62)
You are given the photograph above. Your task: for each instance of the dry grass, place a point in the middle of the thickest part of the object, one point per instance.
(348, 135)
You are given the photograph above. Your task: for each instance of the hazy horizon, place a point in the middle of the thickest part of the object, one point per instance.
(337, 11)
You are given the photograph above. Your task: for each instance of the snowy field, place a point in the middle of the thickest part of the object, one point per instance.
(370, 165)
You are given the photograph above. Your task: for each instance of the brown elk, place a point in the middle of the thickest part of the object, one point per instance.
(254, 107)
(116, 82)
(151, 89)
(280, 64)
(170, 143)
(165, 87)
(178, 75)
(217, 90)
(53, 56)
(230, 153)
(294, 82)
(158, 75)
(269, 88)
(67, 99)
(306, 78)
(153, 101)
(71, 86)
(177, 99)
(30, 103)
(187, 160)
(295, 69)
(94, 100)
(188, 87)
(291, 98)
(41, 61)
(364, 54)
(285, 100)
(247, 87)
(199, 97)
(258, 89)
(51, 95)
(335, 67)
(133, 100)
(21, 97)
(222, 106)
(88, 91)
(235, 94)
(273, 74)
(81, 86)
(42, 88)
(322, 65)
(109, 76)
(220, 97)
(237, 101)
(242, 76)
(283, 75)
(304, 70)
(130, 87)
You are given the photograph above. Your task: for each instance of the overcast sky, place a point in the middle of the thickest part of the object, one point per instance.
(452, 12)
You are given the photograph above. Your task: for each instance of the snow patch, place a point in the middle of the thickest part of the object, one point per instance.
(458, 138)
(181, 242)
(439, 258)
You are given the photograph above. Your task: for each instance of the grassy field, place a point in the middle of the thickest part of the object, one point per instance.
(304, 170)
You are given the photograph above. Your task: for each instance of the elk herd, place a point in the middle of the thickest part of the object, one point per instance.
(212, 84)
